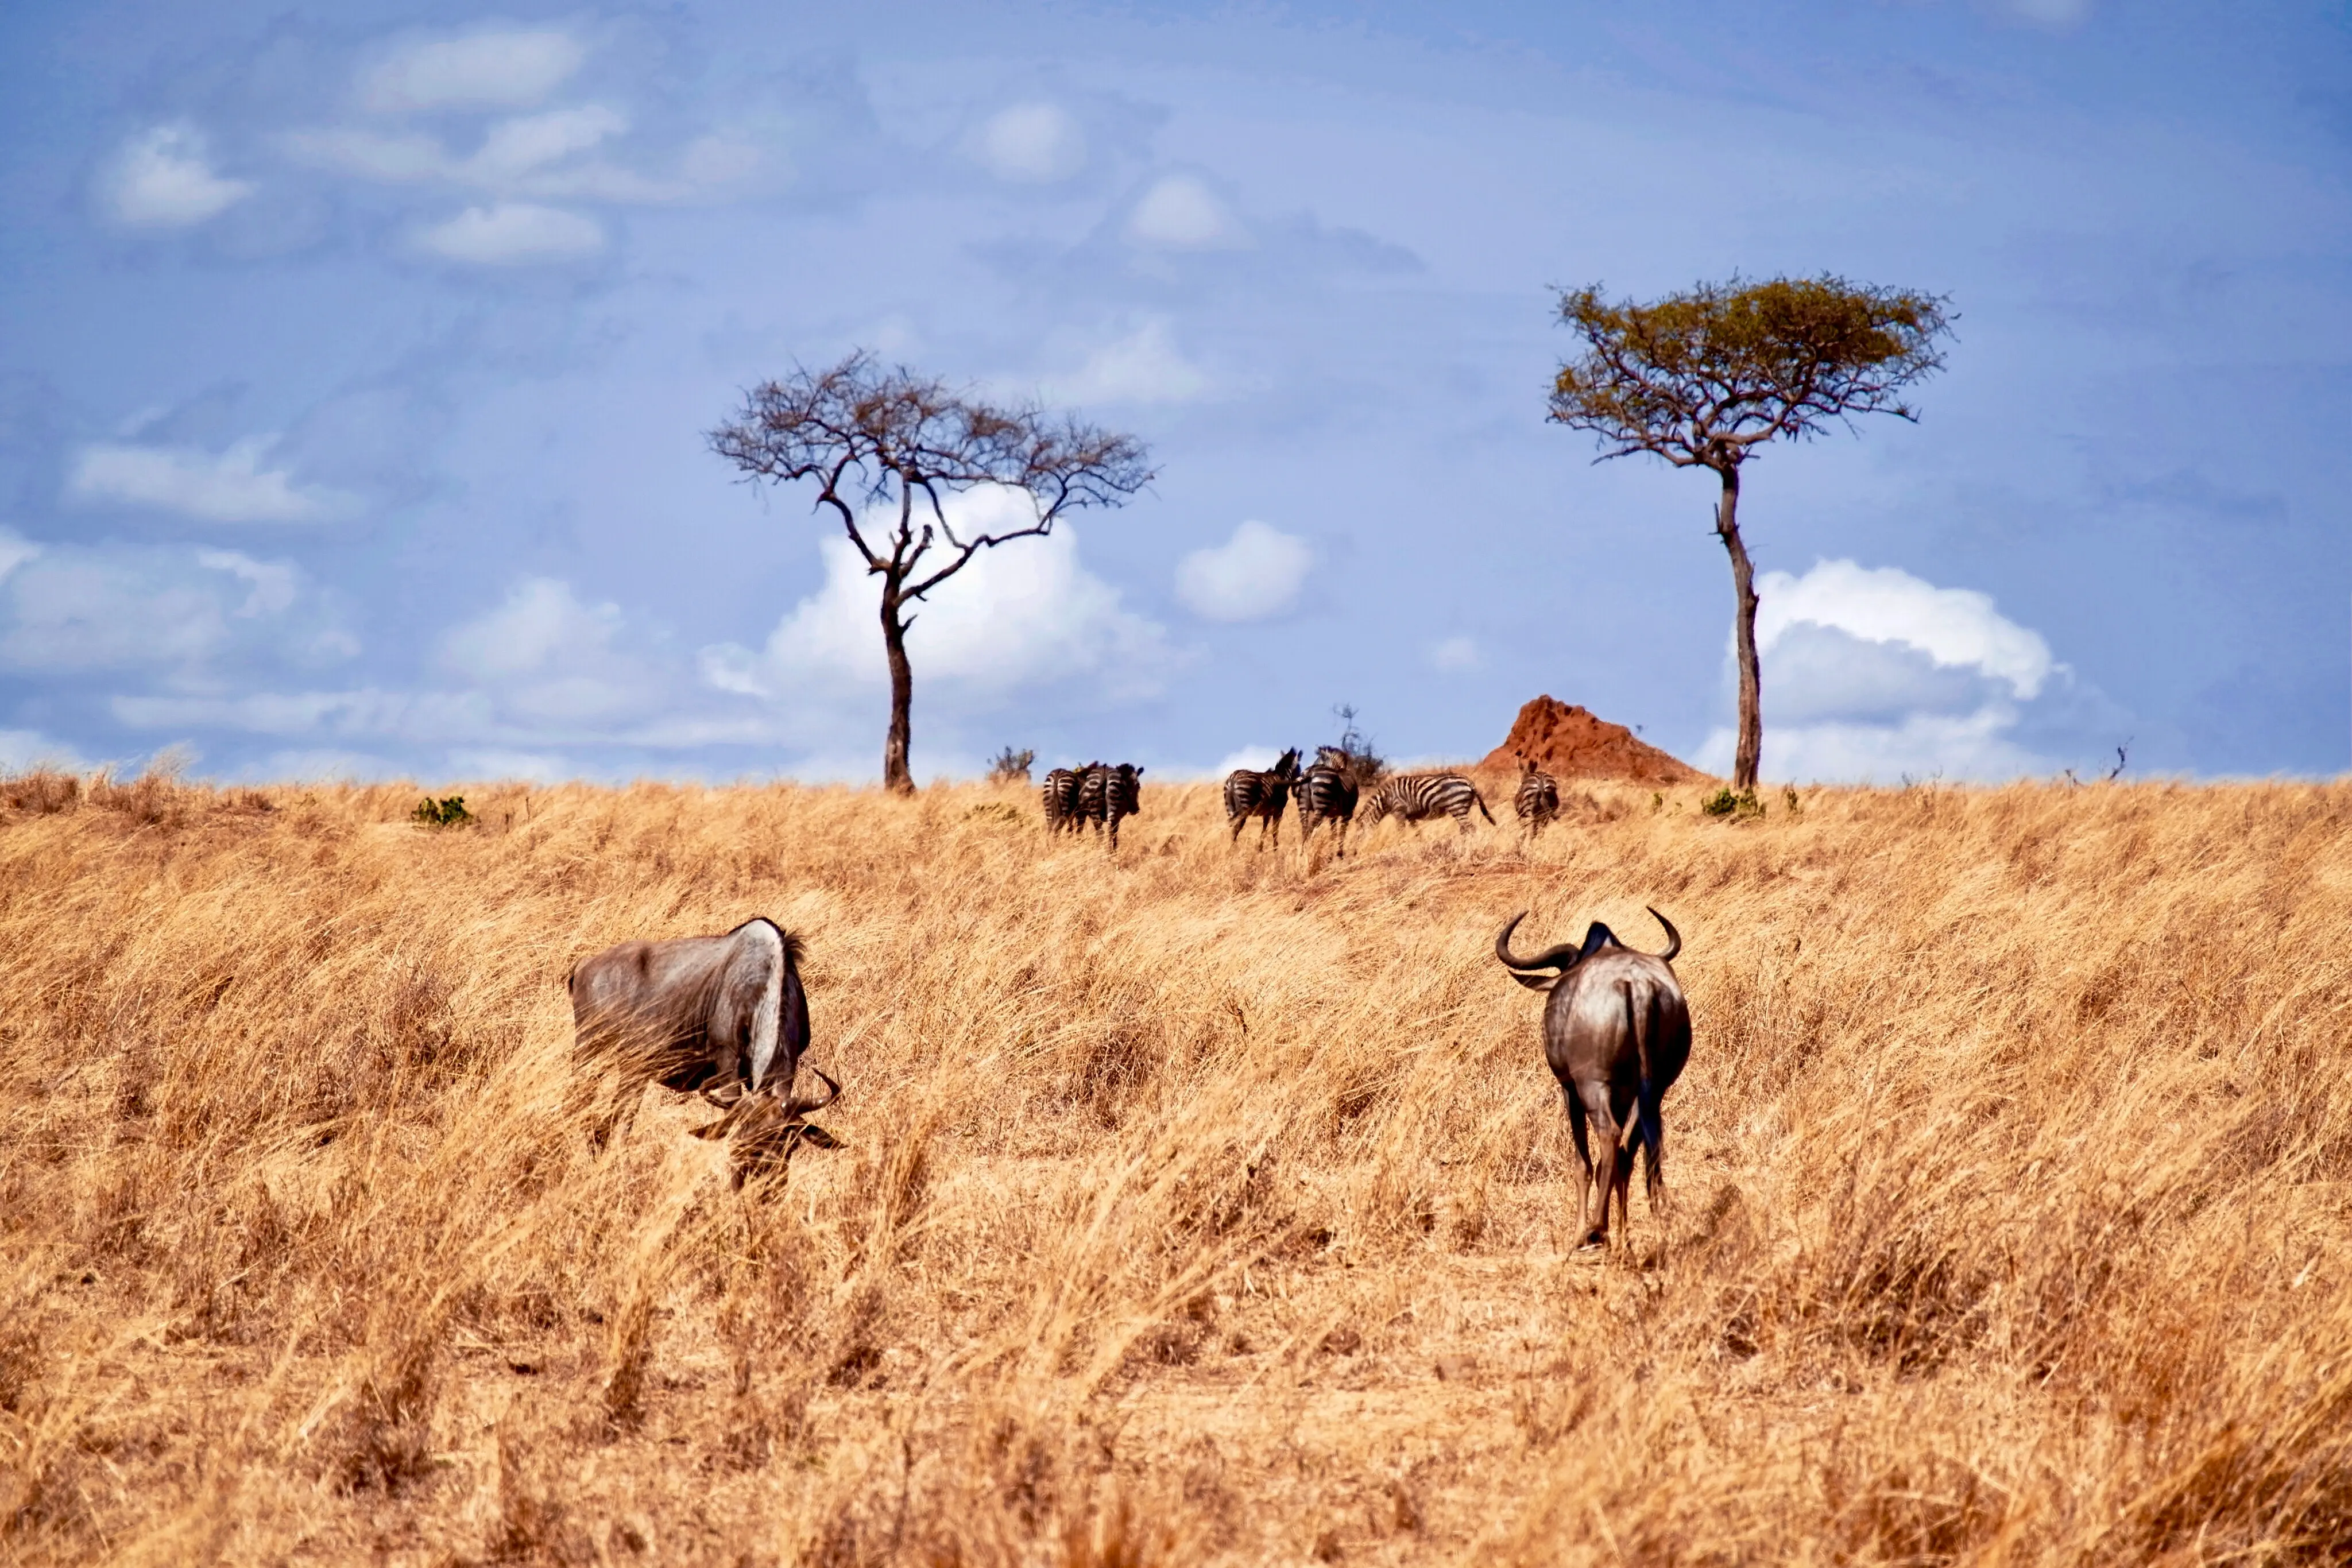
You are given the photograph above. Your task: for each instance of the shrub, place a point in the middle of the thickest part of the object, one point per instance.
(446, 813)
(1724, 803)
(1010, 767)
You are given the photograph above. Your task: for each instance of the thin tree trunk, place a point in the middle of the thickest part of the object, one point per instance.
(896, 774)
(1745, 760)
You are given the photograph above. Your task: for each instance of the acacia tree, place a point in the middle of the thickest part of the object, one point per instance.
(1703, 379)
(885, 448)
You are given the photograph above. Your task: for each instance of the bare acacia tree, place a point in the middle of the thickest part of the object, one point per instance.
(885, 448)
(1703, 379)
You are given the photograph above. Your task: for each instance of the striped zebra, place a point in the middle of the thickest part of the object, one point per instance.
(1325, 794)
(1250, 793)
(1060, 794)
(1106, 794)
(1415, 797)
(1537, 800)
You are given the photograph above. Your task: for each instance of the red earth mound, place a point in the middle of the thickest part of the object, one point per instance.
(1572, 743)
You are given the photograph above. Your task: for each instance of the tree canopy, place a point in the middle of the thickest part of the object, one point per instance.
(885, 448)
(1703, 377)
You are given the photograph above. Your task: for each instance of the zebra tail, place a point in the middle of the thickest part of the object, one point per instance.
(1482, 805)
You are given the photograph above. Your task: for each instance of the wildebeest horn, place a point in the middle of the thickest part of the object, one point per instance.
(1561, 957)
(1673, 937)
(799, 1107)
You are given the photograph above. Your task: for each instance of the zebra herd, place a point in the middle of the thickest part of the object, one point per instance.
(1096, 793)
(1325, 789)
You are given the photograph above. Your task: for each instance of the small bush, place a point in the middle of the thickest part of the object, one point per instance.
(446, 813)
(1010, 767)
(1724, 803)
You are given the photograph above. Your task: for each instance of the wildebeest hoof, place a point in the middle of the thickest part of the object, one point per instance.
(1597, 1241)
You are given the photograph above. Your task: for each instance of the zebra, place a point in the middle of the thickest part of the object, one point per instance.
(1325, 794)
(1416, 796)
(1250, 793)
(1106, 794)
(1060, 794)
(1537, 800)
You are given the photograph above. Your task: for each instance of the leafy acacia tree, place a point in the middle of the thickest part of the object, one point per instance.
(1703, 379)
(885, 448)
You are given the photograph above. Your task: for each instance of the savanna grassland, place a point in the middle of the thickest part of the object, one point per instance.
(1194, 1206)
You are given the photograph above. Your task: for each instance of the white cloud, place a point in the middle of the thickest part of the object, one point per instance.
(1953, 626)
(1181, 212)
(1253, 575)
(1023, 614)
(490, 69)
(164, 178)
(1872, 674)
(517, 147)
(2058, 15)
(1144, 367)
(1454, 655)
(16, 550)
(553, 660)
(514, 234)
(1031, 144)
(22, 750)
(234, 486)
(69, 608)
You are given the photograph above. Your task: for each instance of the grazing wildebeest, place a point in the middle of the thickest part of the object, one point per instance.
(722, 1016)
(1107, 794)
(1252, 794)
(1417, 796)
(1617, 1033)
(1327, 793)
(1537, 800)
(1060, 793)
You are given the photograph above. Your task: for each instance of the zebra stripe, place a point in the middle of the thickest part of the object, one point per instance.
(1537, 800)
(1325, 794)
(1107, 794)
(1415, 797)
(1263, 795)
(1060, 794)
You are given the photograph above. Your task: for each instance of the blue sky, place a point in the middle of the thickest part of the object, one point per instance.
(355, 362)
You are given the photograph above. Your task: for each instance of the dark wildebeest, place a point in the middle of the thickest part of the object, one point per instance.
(722, 1016)
(1060, 794)
(1617, 1033)
(1252, 794)
(1107, 794)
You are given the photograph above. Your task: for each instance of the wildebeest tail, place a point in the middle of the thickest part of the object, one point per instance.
(1649, 1126)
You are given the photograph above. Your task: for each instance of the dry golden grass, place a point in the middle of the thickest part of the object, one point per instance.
(1196, 1206)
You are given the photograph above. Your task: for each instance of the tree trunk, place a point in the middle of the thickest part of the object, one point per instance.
(1751, 750)
(896, 774)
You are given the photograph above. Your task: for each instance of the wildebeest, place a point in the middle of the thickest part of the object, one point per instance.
(1327, 793)
(1250, 792)
(1537, 800)
(1415, 797)
(1616, 1034)
(1060, 794)
(722, 1016)
(1107, 794)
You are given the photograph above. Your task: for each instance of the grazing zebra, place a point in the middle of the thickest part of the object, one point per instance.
(1106, 794)
(1325, 794)
(1538, 802)
(1250, 793)
(1060, 794)
(1417, 796)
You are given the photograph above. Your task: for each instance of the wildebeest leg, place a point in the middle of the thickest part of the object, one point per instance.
(1609, 1165)
(1584, 1163)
